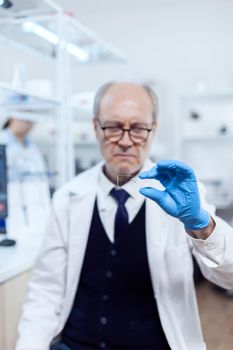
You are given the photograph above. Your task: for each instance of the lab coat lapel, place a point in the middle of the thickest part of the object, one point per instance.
(156, 236)
(81, 210)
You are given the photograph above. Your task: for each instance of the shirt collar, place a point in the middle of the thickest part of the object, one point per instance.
(11, 137)
(132, 186)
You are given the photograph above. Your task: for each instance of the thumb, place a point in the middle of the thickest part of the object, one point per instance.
(154, 194)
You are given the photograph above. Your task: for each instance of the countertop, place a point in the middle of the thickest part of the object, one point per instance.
(19, 258)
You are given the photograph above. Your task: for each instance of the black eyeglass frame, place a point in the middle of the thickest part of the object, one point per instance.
(123, 130)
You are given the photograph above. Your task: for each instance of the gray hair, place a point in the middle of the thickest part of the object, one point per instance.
(103, 89)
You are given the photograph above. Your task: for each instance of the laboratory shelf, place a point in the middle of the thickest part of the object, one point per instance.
(16, 98)
(209, 95)
(86, 144)
(204, 139)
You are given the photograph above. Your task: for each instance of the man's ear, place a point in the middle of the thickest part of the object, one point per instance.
(95, 122)
(95, 125)
(155, 125)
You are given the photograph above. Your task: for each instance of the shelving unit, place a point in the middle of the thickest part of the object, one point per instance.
(41, 29)
(212, 139)
(13, 97)
(206, 142)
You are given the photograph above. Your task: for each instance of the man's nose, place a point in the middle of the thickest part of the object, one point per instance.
(125, 141)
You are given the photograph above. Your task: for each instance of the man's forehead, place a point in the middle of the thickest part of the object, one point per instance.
(124, 91)
(125, 98)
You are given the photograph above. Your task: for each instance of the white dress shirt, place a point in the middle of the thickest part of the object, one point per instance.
(108, 206)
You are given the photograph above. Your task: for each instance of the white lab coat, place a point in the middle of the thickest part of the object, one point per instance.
(53, 285)
(28, 187)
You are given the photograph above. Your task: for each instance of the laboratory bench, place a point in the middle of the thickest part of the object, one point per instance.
(16, 263)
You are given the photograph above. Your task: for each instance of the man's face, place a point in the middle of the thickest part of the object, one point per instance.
(127, 106)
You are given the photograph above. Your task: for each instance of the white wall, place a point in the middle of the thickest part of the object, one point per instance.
(174, 45)
(178, 44)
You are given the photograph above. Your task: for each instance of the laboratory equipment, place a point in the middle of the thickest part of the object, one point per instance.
(6, 242)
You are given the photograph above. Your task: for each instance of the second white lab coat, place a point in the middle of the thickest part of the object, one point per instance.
(24, 160)
(28, 186)
(54, 283)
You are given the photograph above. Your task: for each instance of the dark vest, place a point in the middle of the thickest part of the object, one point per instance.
(114, 307)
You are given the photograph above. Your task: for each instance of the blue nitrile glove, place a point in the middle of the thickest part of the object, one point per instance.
(180, 198)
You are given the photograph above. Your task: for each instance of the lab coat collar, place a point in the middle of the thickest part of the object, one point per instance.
(88, 181)
(11, 138)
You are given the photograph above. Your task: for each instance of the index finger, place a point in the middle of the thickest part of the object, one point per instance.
(176, 166)
(149, 174)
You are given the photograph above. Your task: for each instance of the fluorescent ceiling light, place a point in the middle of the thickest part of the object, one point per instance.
(78, 52)
(32, 27)
(53, 38)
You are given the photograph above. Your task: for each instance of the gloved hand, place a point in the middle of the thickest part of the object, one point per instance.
(180, 198)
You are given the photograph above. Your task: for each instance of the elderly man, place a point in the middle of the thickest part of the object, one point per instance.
(115, 271)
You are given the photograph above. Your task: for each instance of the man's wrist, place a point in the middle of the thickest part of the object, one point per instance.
(203, 233)
(197, 223)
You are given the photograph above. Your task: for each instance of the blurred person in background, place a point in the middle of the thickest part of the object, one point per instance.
(23, 156)
(28, 186)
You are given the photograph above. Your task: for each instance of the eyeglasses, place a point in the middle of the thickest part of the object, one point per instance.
(136, 134)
